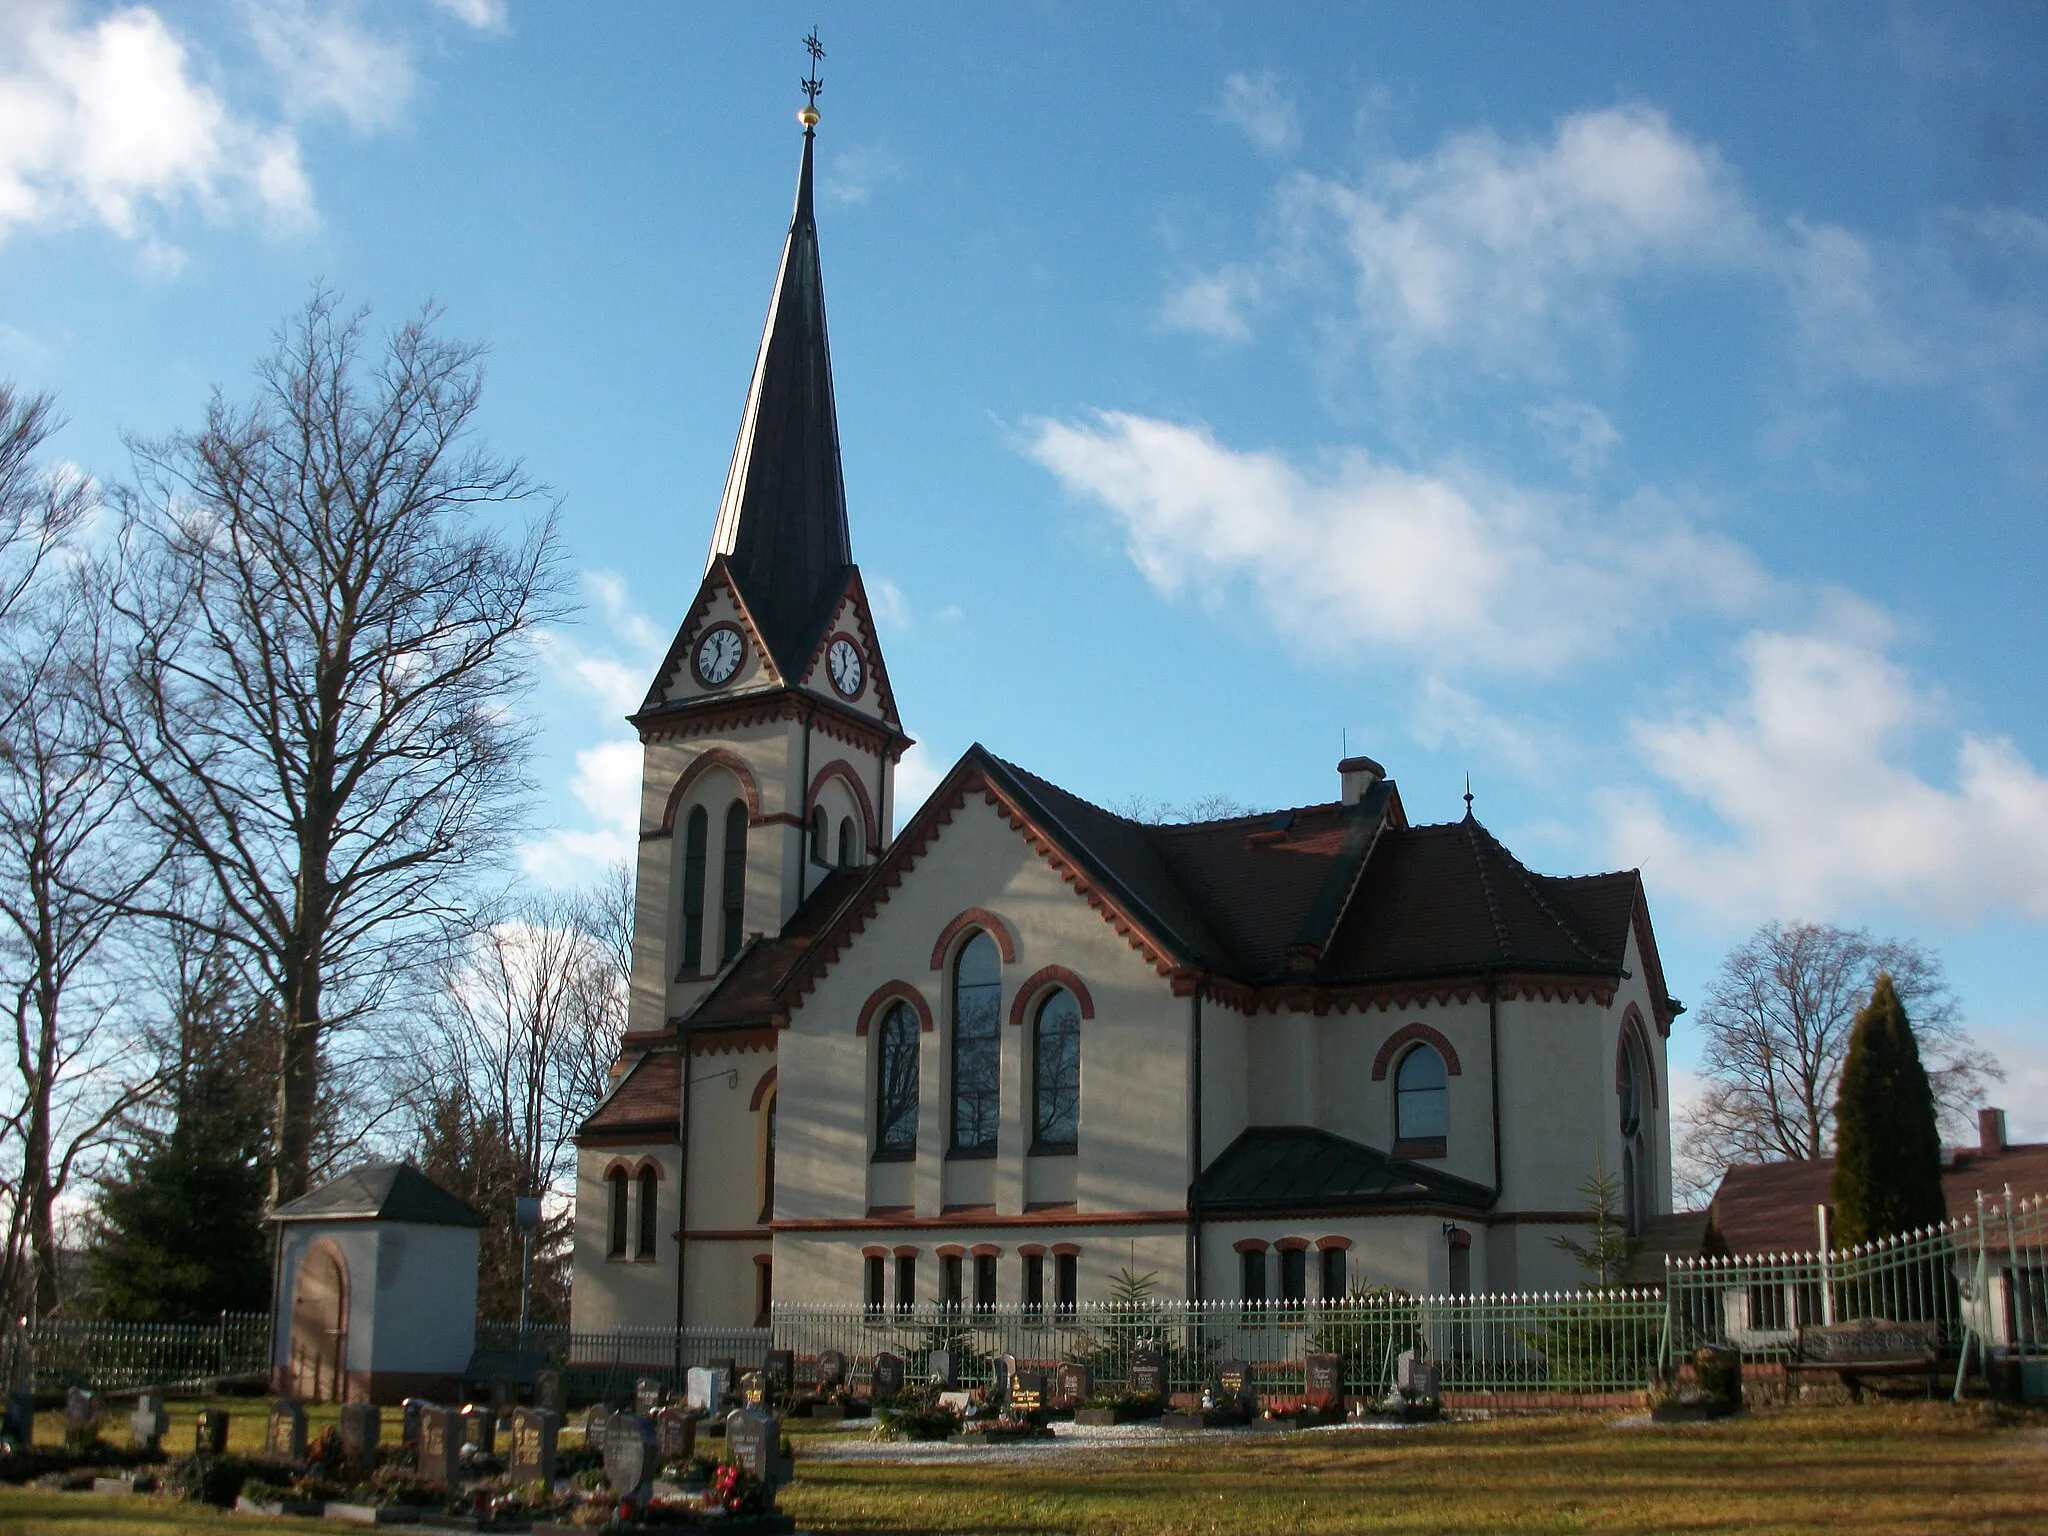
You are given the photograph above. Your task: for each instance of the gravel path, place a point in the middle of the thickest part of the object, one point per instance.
(854, 1445)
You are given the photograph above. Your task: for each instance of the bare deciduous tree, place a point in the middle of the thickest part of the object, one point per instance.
(326, 631)
(1776, 1024)
(40, 504)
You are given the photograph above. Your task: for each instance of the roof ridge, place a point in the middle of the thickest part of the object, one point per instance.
(1527, 878)
(1500, 929)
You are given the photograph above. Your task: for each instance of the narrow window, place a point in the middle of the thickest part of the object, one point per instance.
(984, 1282)
(650, 1210)
(1335, 1285)
(1066, 1281)
(949, 1281)
(694, 836)
(847, 850)
(819, 823)
(1461, 1268)
(896, 1086)
(619, 1186)
(1252, 1276)
(734, 886)
(1056, 1073)
(1421, 1113)
(1635, 1194)
(768, 1165)
(1034, 1283)
(906, 1281)
(764, 1293)
(977, 1046)
(1293, 1276)
(876, 1278)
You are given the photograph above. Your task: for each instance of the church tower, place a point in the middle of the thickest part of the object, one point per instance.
(770, 736)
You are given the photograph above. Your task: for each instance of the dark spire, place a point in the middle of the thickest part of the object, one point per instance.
(782, 521)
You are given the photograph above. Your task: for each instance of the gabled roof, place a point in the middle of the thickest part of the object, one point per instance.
(751, 992)
(649, 1097)
(1275, 1168)
(782, 520)
(382, 1192)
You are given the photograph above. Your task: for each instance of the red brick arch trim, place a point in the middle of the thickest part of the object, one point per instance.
(894, 992)
(762, 1089)
(975, 917)
(904, 1251)
(1066, 1250)
(763, 1260)
(874, 1251)
(839, 768)
(1329, 1244)
(1406, 1035)
(703, 763)
(1290, 1244)
(632, 1168)
(1251, 1245)
(950, 1251)
(1042, 981)
(986, 1251)
(1632, 1023)
(1031, 1250)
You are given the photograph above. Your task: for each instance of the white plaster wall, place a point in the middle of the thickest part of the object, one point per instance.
(828, 1267)
(1351, 1104)
(625, 1292)
(357, 1243)
(1226, 1077)
(1398, 1252)
(425, 1290)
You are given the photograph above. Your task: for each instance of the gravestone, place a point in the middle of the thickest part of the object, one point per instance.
(1233, 1381)
(547, 1390)
(1006, 1370)
(440, 1447)
(778, 1374)
(284, 1432)
(675, 1435)
(754, 1443)
(1073, 1384)
(646, 1395)
(1325, 1383)
(1027, 1391)
(831, 1371)
(1415, 1376)
(533, 1445)
(362, 1426)
(479, 1428)
(81, 1418)
(703, 1389)
(728, 1372)
(20, 1423)
(1148, 1372)
(148, 1423)
(941, 1367)
(631, 1457)
(1718, 1370)
(887, 1376)
(593, 1425)
(210, 1432)
(753, 1390)
(409, 1426)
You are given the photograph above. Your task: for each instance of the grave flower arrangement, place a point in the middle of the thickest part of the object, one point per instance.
(1128, 1406)
(917, 1414)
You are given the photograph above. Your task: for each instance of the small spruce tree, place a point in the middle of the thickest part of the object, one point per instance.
(1607, 1257)
(1887, 1140)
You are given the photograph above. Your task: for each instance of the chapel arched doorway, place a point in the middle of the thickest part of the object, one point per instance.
(320, 1325)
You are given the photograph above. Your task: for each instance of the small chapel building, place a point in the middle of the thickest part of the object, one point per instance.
(1026, 1041)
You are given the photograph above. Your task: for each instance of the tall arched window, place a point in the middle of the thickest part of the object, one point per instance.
(1635, 1201)
(820, 824)
(617, 1188)
(1056, 1074)
(733, 888)
(977, 1046)
(847, 850)
(650, 1210)
(696, 834)
(896, 1085)
(1421, 1104)
(768, 1163)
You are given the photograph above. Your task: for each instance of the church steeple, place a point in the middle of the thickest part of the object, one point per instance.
(782, 520)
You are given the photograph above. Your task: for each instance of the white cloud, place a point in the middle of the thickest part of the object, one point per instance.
(103, 121)
(854, 174)
(1212, 305)
(1266, 113)
(484, 15)
(607, 785)
(326, 61)
(1581, 434)
(1446, 715)
(916, 777)
(2023, 1052)
(1455, 567)
(1818, 810)
(891, 608)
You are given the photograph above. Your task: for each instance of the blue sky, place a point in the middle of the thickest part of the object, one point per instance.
(1639, 408)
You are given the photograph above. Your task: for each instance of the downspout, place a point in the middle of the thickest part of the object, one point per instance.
(1194, 1275)
(682, 1196)
(1493, 1072)
(803, 831)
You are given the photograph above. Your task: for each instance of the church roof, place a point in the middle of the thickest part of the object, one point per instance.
(751, 991)
(382, 1192)
(648, 1099)
(782, 520)
(1274, 1168)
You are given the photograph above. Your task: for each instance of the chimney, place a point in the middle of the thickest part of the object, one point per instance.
(1357, 775)
(1990, 1131)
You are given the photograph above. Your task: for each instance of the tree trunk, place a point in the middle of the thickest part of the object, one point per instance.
(298, 1089)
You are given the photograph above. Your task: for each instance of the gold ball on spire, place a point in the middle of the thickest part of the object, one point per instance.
(808, 116)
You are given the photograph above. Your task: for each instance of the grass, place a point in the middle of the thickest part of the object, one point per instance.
(1880, 1468)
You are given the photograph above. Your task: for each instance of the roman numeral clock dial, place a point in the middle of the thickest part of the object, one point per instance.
(843, 662)
(719, 654)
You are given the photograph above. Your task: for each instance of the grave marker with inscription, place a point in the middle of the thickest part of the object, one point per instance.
(1073, 1384)
(210, 1432)
(284, 1432)
(753, 1390)
(1148, 1372)
(1233, 1381)
(754, 1443)
(1325, 1382)
(778, 1374)
(479, 1428)
(440, 1447)
(1027, 1392)
(675, 1435)
(1006, 1370)
(887, 1376)
(362, 1426)
(148, 1423)
(940, 1366)
(534, 1431)
(703, 1389)
(646, 1395)
(831, 1371)
(631, 1457)
(81, 1418)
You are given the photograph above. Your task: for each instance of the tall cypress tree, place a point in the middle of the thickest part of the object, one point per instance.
(1887, 1142)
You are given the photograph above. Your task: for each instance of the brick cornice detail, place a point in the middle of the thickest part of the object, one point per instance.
(1407, 1035)
(975, 917)
(988, 1220)
(719, 1041)
(1327, 1244)
(894, 992)
(1043, 980)
(761, 707)
(1251, 1245)
(841, 769)
(704, 762)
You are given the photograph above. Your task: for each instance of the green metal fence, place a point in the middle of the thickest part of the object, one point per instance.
(113, 1357)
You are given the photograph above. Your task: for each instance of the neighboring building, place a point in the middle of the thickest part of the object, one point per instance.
(1029, 1041)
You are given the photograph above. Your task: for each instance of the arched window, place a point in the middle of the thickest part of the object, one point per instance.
(847, 851)
(733, 888)
(617, 1186)
(696, 833)
(977, 1046)
(820, 825)
(650, 1210)
(1421, 1108)
(1056, 1074)
(896, 1085)
(768, 1163)
(1635, 1201)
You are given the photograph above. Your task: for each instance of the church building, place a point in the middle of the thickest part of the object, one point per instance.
(1026, 1042)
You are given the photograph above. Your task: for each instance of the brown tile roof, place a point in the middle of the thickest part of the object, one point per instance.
(1769, 1207)
(750, 994)
(648, 1098)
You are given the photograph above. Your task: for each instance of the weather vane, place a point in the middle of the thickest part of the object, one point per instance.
(810, 85)
(1468, 794)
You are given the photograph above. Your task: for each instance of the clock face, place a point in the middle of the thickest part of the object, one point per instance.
(843, 662)
(719, 655)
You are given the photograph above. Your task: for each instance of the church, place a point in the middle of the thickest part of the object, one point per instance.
(1025, 1042)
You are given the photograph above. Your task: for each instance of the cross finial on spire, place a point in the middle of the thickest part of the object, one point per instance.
(1468, 792)
(810, 85)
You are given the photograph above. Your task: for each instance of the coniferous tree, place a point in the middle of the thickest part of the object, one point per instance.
(1887, 1143)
